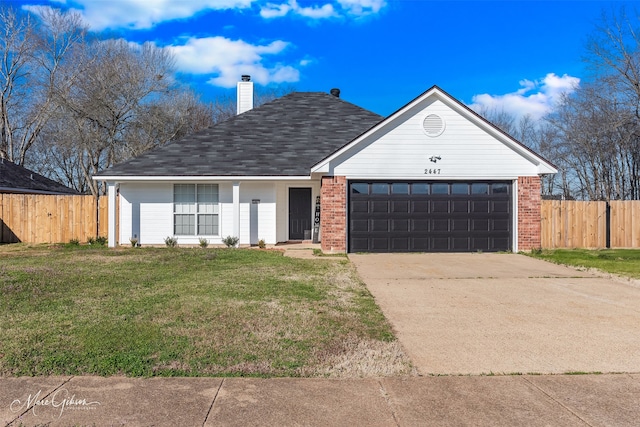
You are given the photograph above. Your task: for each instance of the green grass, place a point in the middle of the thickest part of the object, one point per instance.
(624, 262)
(73, 310)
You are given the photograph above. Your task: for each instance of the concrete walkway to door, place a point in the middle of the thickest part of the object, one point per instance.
(504, 314)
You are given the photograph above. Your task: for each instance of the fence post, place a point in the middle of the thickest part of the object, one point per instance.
(608, 225)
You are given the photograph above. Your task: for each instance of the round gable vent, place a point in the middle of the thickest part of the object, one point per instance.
(433, 125)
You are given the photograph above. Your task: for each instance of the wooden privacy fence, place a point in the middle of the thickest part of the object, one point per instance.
(43, 218)
(580, 224)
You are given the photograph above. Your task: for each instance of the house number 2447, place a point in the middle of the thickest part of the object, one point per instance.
(432, 171)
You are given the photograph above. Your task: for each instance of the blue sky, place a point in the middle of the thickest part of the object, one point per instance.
(512, 55)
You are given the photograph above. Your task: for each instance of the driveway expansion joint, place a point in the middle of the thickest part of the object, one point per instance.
(386, 398)
(558, 402)
(34, 403)
(206, 418)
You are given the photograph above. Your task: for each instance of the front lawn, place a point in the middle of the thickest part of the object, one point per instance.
(187, 312)
(624, 262)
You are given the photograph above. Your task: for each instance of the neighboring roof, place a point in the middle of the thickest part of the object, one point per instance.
(544, 166)
(17, 179)
(284, 137)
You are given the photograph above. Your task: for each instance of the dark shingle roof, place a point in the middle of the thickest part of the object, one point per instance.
(17, 179)
(284, 137)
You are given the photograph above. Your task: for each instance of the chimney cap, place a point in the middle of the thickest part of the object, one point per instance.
(335, 92)
(246, 78)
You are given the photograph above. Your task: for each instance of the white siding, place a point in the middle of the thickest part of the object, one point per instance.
(466, 150)
(146, 210)
(257, 221)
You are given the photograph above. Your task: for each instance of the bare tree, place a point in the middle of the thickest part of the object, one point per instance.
(34, 50)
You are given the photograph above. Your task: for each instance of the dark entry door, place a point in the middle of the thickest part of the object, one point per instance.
(299, 212)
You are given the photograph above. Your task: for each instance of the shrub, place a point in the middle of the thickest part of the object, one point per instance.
(203, 242)
(74, 242)
(101, 241)
(171, 242)
(231, 241)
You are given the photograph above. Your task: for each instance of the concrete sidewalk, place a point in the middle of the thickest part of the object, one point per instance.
(538, 400)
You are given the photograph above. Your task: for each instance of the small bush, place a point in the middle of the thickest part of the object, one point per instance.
(231, 241)
(171, 242)
(262, 244)
(101, 241)
(74, 242)
(203, 242)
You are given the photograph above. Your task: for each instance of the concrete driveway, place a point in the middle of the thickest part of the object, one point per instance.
(504, 314)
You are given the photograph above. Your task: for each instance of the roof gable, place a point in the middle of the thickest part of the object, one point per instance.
(284, 137)
(467, 144)
(17, 179)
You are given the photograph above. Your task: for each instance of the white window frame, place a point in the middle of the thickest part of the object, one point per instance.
(196, 208)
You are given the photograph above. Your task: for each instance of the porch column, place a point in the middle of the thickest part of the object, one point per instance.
(236, 209)
(111, 233)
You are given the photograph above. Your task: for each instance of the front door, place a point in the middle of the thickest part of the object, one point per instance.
(299, 213)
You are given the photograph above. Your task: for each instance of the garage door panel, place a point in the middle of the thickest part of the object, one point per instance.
(360, 225)
(379, 206)
(440, 244)
(429, 216)
(480, 243)
(479, 225)
(460, 244)
(378, 225)
(400, 244)
(479, 206)
(440, 206)
(458, 225)
(501, 225)
(420, 206)
(440, 225)
(460, 206)
(420, 244)
(379, 244)
(360, 206)
(400, 206)
(400, 225)
(501, 206)
(420, 225)
(360, 244)
(498, 244)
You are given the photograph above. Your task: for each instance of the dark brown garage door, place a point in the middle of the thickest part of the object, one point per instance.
(430, 216)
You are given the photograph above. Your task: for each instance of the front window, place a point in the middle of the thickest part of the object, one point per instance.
(195, 210)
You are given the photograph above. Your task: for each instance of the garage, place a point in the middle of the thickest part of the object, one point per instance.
(430, 216)
(432, 177)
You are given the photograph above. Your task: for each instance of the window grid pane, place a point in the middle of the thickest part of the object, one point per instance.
(207, 225)
(184, 225)
(190, 199)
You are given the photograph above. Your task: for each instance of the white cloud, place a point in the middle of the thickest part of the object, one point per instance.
(314, 12)
(141, 14)
(534, 98)
(144, 14)
(332, 9)
(228, 59)
(275, 10)
(278, 10)
(362, 7)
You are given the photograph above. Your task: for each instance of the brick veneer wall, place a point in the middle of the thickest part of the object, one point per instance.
(529, 199)
(333, 213)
